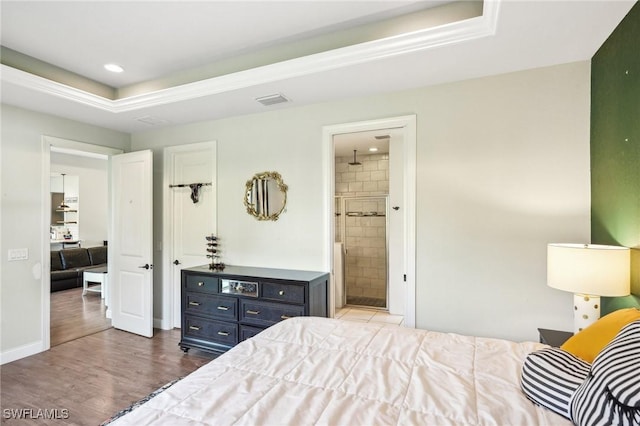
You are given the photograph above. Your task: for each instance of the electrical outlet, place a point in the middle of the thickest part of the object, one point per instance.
(18, 254)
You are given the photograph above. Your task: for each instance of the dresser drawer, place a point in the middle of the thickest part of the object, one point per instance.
(265, 313)
(221, 307)
(283, 292)
(210, 330)
(202, 283)
(247, 332)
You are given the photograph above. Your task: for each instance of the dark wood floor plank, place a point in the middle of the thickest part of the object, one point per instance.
(95, 376)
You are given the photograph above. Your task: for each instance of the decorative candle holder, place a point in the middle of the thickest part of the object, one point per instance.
(212, 253)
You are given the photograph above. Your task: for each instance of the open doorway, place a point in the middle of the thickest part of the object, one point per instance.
(391, 206)
(362, 219)
(78, 239)
(76, 218)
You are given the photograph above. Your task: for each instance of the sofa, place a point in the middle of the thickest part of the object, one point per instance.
(68, 265)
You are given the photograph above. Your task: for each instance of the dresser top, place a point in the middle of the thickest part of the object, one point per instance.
(258, 272)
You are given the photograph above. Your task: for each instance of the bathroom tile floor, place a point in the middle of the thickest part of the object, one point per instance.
(368, 315)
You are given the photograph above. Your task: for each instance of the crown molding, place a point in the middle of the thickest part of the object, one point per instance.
(36, 83)
(457, 32)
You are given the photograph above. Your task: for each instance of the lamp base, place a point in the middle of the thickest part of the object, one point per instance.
(586, 310)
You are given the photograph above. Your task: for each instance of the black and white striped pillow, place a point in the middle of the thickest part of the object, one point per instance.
(550, 377)
(611, 393)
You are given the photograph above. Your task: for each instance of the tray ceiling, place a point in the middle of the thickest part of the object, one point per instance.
(193, 61)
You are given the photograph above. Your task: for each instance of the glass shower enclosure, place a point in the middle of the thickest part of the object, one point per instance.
(362, 228)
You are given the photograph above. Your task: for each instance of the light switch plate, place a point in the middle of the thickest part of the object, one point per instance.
(18, 254)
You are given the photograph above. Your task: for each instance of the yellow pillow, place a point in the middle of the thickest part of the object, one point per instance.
(588, 343)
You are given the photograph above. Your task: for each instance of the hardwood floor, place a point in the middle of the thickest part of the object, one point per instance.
(74, 315)
(93, 377)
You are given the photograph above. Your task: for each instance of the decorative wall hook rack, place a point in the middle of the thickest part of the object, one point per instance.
(195, 189)
(183, 185)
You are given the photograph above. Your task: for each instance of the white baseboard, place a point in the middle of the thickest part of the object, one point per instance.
(35, 348)
(21, 352)
(162, 324)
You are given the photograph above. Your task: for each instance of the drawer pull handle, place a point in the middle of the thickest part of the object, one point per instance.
(200, 283)
(281, 292)
(249, 311)
(223, 333)
(192, 303)
(194, 327)
(284, 317)
(223, 308)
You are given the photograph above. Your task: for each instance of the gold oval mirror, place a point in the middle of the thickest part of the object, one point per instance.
(265, 196)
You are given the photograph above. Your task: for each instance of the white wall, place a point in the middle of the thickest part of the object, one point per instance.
(503, 169)
(21, 180)
(93, 180)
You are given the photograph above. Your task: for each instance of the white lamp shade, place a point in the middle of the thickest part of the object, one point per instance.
(589, 269)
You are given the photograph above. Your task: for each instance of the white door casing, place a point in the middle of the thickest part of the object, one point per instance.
(407, 207)
(50, 143)
(131, 260)
(186, 223)
(396, 247)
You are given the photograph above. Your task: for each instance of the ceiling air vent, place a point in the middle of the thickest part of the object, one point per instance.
(151, 120)
(277, 98)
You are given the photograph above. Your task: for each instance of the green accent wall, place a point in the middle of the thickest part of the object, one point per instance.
(615, 148)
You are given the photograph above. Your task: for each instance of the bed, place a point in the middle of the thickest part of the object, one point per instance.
(309, 370)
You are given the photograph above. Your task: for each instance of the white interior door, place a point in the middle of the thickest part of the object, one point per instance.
(190, 221)
(130, 256)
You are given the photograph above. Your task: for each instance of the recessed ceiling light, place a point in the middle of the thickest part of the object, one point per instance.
(373, 149)
(113, 68)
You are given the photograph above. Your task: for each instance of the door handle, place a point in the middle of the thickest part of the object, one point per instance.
(176, 262)
(146, 266)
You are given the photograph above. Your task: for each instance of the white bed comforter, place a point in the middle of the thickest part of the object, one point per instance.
(307, 371)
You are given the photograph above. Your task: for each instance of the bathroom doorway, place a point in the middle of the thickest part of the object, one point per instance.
(361, 225)
(401, 211)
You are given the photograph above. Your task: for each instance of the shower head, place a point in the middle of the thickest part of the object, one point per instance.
(355, 163)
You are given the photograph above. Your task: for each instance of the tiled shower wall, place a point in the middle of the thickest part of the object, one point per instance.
(364, 222)
(369, 178)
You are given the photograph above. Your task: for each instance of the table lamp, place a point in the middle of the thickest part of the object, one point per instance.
(588, 271)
